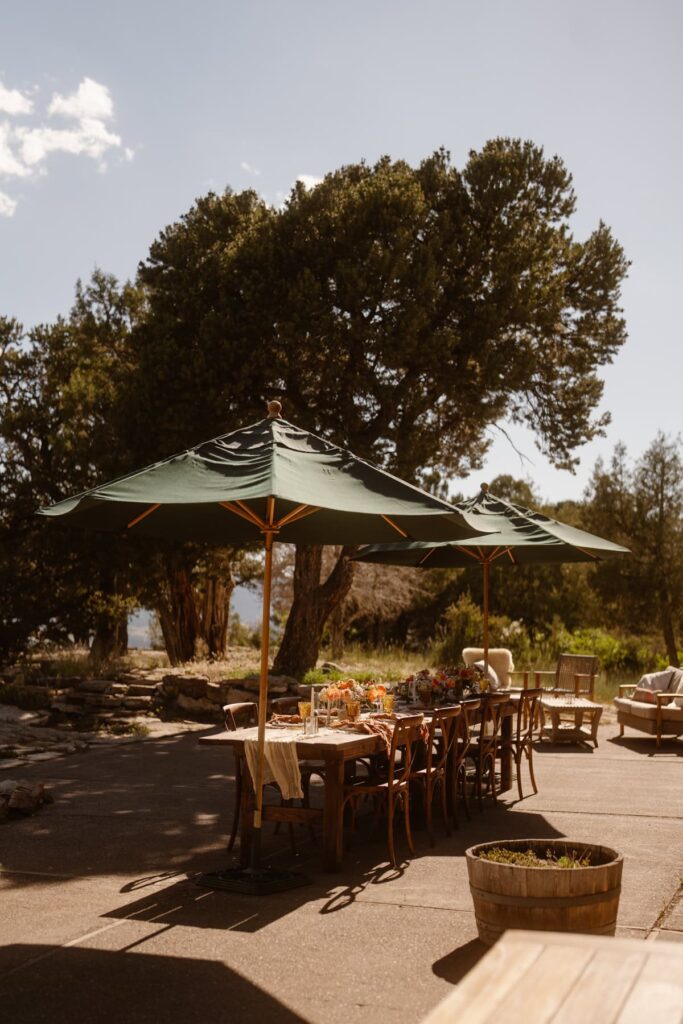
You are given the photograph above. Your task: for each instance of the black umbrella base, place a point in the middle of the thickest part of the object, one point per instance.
(252, 881)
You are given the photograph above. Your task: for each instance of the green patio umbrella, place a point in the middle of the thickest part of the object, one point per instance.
(271, 480)
(511, 535)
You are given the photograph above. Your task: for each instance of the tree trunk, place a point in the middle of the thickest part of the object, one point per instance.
(668, 626)
(178, 614)
(336, 628)
(215, 614)
(110, 639)
(313, 602)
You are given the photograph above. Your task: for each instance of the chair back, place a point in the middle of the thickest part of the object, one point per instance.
(577, 672)
(491, 717)
(240, 715)
(500, 660)
(407, 731)
(526, 716)
(285, 705)
(442, 734)
(469, 709)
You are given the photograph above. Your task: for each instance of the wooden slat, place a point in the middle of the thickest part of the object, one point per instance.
(605, 985)
(539, 994)
(482, 993)
(657, 996)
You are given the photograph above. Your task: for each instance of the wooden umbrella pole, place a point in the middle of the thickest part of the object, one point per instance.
(487, 566)
(263, 698)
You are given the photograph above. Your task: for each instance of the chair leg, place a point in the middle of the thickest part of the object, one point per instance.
(390, 831)
(444, 805)
(463, 776)
(406, 821)
(518, 766)
(236, 812)
(492, 776)
(530, 762)
(429, 798)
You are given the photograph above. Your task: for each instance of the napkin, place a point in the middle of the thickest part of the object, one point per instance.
(281, 764)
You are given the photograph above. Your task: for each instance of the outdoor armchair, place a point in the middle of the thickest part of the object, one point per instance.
(500, 660)
(660, 715)
(574, 673)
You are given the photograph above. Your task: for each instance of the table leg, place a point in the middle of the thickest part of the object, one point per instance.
(506, 753)
(596, 716)
(333, 827)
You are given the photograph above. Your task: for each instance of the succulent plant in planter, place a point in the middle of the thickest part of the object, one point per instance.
(544, 885)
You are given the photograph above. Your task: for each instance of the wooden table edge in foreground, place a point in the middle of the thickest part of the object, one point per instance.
(345, 746)
(564, 978)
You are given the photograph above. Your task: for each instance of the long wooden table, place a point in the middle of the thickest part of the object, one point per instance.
(335, 748)
(557, 978)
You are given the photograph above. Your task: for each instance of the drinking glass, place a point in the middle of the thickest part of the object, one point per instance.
(353, 710)
(304, 709)
(388, 703)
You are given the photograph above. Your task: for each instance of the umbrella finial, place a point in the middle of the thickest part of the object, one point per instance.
(485, 488)
(274, 410)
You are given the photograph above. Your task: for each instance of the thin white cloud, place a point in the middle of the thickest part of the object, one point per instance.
(309, 181)
(249, 169)
(7, 205)
(11, 166)
(13, 102)
(90, 101)
(24, 149)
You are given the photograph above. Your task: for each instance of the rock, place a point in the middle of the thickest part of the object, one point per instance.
(119, 689)
(7, 786)
(94, 686)
(103, 700)
(198, 705)
(192, 686)
(169, 686)
(141, 690)
(6, 751)
(8, 713)
(26, 797)
(277, 685)
(65, 748)
(234, 696)
(46, 756)
(137, 703)
(4, 807)
(217, 692)
(12, 764)
(66, 709)
(330, 666)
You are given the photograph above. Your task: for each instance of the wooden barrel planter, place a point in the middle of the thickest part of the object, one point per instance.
(582, 899)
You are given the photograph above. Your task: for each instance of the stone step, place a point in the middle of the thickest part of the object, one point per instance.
(137, 703)
(141, 690)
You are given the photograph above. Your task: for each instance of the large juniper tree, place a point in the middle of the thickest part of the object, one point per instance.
(400, 311)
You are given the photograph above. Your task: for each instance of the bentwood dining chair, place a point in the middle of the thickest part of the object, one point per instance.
(393, 791)
(238, 716)
(469, 711)
(520, 743)
(484, 750)
(436, 772)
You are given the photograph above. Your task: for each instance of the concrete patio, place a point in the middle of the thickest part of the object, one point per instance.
(100, 922)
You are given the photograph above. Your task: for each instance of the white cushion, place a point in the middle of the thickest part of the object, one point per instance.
(671, 712)
(491, 673)
(656, 680)
(500, 660)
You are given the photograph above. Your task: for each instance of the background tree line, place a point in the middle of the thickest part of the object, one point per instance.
(400, 311)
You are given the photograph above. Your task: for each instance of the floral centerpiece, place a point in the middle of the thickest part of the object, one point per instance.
(441, 685)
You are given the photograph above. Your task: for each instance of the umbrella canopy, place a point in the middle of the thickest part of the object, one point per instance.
(221, 492)
(274, 480)
(511, 535)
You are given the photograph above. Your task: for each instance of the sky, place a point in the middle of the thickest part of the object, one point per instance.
(114, 118)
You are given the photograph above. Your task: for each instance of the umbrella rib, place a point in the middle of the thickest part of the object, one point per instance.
(425, 557)
(472, 554)
(393, 524)
(143, 515)
(297, 513)
(245, 512)
(585, 552)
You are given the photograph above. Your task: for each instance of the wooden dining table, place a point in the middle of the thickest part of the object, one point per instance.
(335, 748)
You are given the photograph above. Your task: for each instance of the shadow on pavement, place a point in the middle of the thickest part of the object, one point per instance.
(454, 966)
(67, 985)
(647, 746)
